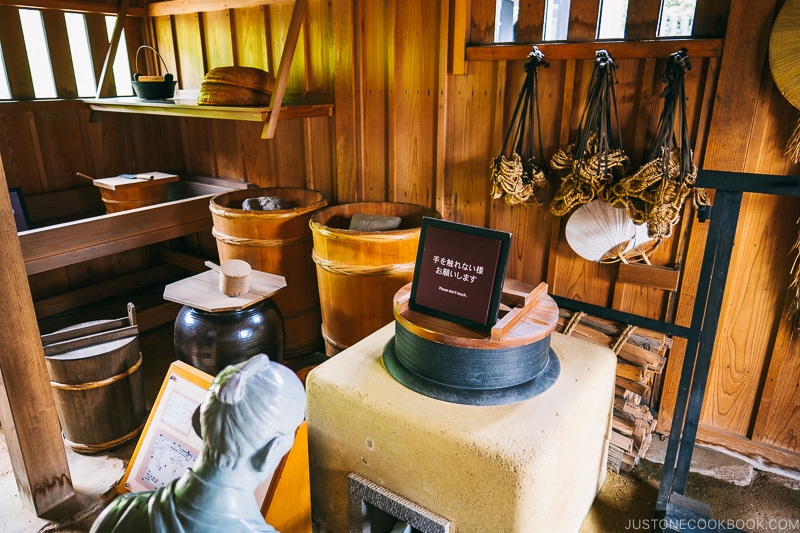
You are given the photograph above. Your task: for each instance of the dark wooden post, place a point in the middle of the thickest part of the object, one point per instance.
(27, 408)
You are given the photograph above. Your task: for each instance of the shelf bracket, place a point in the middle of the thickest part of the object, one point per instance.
(298, 14)
(105, 79)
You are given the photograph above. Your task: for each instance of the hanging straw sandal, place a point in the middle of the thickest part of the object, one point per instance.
(594, 160)
(655, 194)
(518, 177)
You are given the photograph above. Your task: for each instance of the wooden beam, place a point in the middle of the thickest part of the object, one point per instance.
(586, 50)
(55, 28)
(17, 106)
(445, 52)
(481, 19)
(530, 24)
(735, 107)
(78, 6)
(183, 7)
(583, 20)
(759, 453)
(642, 19)
(711, 18)
(27, 408)
(458, 37)
(99, 291)
(97, 32)
(348, 169)
(158, 316)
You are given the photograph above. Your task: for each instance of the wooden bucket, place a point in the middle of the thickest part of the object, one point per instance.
(141, 195)
(276, 242)
(359, 272)
(95, 373)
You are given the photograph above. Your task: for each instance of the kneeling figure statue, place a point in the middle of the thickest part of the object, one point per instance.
(248, 421)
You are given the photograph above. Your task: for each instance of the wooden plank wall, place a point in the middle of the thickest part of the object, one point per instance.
(752, 397)
(44, 144)
(406, 140)
(406, 129)
(192, 44)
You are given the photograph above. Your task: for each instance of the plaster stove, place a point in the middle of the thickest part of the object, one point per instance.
(385, 450)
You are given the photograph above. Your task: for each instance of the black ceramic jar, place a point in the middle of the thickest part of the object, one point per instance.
(211, 341)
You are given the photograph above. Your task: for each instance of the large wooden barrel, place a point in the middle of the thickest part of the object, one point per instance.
(278, 242)
(98, 388)
(359, 272)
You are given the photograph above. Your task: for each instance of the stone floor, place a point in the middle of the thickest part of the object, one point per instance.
(755, 500)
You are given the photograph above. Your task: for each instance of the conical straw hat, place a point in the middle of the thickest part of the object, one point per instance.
(784, 51)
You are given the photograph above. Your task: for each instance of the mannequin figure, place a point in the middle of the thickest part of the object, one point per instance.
(248, 421)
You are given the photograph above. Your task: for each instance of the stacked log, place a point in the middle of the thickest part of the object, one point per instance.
(641, 355)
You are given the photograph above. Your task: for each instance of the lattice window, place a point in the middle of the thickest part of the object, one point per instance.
(34, 50)
(675, 19)
(38, 56)
(5, 92)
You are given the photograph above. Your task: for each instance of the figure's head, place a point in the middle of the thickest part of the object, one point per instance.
(253, 407)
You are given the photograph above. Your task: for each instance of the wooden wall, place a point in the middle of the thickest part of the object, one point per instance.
(420, 133)
(44, 144)
(422, 101)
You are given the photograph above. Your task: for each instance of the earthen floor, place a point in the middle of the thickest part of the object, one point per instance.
(755, 500)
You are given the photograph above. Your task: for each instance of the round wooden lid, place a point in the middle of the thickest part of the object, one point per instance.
(201, 291)
(453, 363)
(528, 323)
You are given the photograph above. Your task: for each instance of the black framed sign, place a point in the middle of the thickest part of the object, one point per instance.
(459, 272)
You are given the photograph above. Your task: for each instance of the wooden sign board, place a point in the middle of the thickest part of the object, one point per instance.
(168, 444)
(459, 272)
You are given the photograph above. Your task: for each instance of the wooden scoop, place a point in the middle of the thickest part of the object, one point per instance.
(233, 276)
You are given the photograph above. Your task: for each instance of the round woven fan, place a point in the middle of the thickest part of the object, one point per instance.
(224, 94)
(597, 231)
(247, 77)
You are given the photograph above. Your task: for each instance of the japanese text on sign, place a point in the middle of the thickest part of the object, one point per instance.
(450, 268)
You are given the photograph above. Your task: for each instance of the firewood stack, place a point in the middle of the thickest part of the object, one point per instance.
(641, 355)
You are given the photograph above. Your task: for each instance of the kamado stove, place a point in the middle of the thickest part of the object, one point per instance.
(445, 428)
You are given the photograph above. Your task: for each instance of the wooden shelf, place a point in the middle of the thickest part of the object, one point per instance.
(279, 107)
(73, 242)
(189, 108)
(587, 50)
